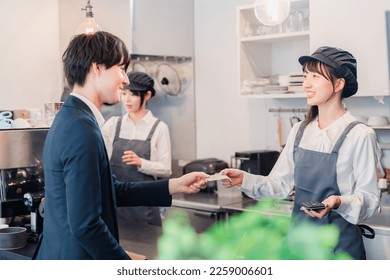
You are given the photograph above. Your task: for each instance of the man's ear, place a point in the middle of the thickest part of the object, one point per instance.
(96, 67)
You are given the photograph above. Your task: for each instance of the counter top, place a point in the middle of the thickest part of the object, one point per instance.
(24, 253)
(204, 201)
(138, 238)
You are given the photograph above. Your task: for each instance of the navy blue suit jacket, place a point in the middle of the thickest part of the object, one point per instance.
(81, 194)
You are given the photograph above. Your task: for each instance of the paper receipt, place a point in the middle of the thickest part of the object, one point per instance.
(217, 177)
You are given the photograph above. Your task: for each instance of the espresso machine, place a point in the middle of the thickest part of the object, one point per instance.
(21, 177)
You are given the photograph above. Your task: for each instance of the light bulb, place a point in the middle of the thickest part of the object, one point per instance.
(272, 12)
(89, 26)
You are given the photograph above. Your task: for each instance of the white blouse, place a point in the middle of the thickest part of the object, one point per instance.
(357, 164)
(159, 164)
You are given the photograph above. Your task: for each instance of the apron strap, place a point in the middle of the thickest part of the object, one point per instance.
(343, 135)
(298, 137)
(367, 231)
(152, 130)
(119, 124)
(118, 128)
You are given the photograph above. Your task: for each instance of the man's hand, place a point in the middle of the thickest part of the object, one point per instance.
(135, 256)
(189, 183)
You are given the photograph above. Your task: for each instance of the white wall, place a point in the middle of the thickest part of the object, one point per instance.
(163, 27)
(34, 34)
(30, 73)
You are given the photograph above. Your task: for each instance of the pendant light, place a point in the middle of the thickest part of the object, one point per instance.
(272, 12)
(89, 26)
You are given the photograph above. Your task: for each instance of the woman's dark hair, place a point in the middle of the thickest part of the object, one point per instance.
(84, 49)
(324, 70)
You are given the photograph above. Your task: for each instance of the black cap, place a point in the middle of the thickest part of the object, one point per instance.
(343, 62)
(140, 81)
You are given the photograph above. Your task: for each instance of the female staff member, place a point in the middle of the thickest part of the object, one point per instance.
(138, 144)
(329, 157)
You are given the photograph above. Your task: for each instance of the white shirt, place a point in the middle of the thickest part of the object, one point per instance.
(159, 164)
(98, 116)
(356, 167)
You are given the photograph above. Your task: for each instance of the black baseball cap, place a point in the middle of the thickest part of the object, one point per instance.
(140, 81)
(343, 62)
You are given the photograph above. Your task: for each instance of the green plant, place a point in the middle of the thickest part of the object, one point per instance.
(249, 235)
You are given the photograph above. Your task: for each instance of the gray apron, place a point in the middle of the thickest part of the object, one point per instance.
(123, 172)
(316, 179)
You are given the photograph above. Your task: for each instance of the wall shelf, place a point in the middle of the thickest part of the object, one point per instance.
(279, 37)
(381, 127)
(264, 52)
(271, 96)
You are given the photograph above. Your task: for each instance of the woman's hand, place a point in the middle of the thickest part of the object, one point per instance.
(235, 176)
(332, 202)
(189, 183)
(131, 158)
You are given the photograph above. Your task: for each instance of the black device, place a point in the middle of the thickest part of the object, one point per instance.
(209, 166)
(258, 162)
(313, 205)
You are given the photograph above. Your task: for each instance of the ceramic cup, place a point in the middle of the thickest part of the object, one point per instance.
(51, 109)
(377, 121)
(5, 123)
(284, 80)
(35, 116)
(21, 123)
(362, 119)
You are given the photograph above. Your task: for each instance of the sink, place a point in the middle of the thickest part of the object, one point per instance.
(379, 247)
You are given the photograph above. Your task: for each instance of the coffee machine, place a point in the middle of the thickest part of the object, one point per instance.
(21, 177)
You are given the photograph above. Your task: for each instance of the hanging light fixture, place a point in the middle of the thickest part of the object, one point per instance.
(89, 26)
(272, 12)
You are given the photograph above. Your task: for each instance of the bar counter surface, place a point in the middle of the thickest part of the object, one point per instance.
(142, 239)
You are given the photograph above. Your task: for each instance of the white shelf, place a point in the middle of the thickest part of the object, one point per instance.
(278, 37)
(384, 146)
(385, 127)
(271, 96)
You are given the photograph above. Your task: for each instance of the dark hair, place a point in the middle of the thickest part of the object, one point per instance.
(85, 49)
(328, 72)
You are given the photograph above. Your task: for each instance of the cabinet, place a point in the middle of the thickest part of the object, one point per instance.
(265, 52)
(358, 26)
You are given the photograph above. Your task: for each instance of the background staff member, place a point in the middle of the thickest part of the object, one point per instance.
(329, 157)
(138, 144)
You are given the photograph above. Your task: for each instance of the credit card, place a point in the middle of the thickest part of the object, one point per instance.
(217, 177)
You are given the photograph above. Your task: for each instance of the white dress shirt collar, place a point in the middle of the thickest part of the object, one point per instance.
(98, 116)
(146, 119)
